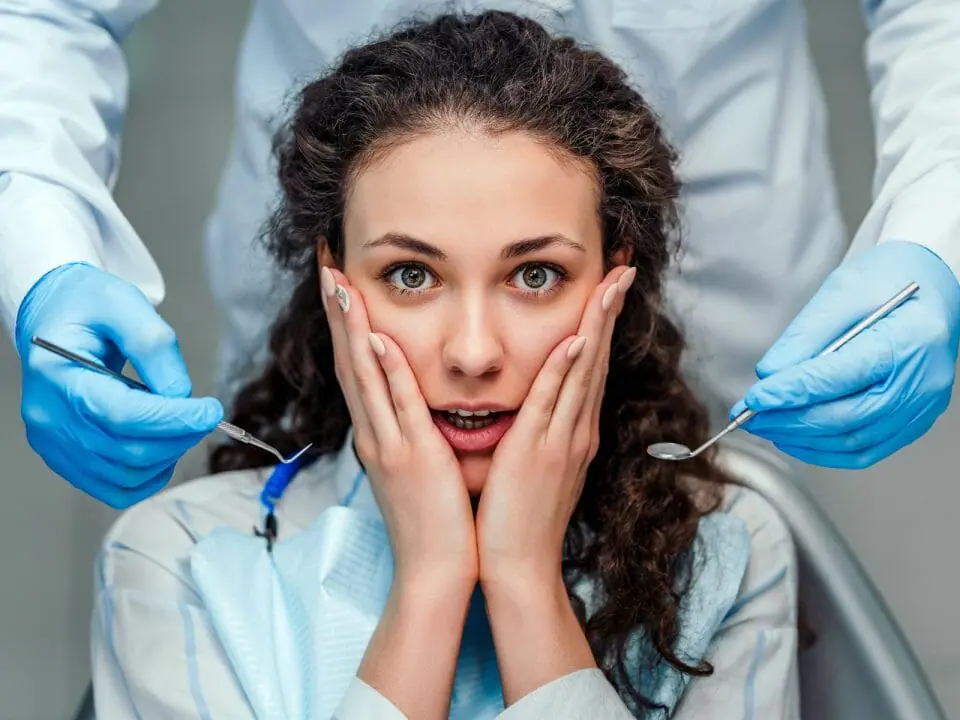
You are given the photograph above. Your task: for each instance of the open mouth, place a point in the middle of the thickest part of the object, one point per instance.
(466, 420)
(473, 430)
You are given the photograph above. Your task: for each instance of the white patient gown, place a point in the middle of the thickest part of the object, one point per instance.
(157, 653)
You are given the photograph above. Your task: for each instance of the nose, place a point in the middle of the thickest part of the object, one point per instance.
(473, 346)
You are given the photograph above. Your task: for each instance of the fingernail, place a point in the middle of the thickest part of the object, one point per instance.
(626, 280)
(343, 298)
(214, 412)
(208, 413)
(576, 347)
(610, 295)
(327, 283)
(377, 344)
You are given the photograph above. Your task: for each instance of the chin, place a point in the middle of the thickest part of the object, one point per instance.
(475, 469)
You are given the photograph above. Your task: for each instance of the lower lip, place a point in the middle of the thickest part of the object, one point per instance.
(478, 439)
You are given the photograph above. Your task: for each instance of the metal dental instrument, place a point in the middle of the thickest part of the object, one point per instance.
(678, 451)
(237, 433)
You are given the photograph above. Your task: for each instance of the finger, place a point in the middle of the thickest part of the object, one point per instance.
(835, 308)
(579, 379)
(100, 480)
(738, 410)
(411, 409)
(371, 385)
(108, 469)
(844, 440)
(866, 360)
(538, 406)
(862, 459)
(596, 391)
(117, 410)
(832, 417)
(341, 352)
(141, 454)
(119, 497)
(131, 323)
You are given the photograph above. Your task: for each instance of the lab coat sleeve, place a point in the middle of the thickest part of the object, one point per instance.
(63, 94)
(913, 62)
(754, 652)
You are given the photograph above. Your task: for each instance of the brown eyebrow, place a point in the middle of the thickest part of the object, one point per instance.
(405, 242)
(531, 245)
(513, 250)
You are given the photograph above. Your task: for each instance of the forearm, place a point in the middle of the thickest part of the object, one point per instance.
(63, 94)
(536, 633)
(412, 656)
(913, 61)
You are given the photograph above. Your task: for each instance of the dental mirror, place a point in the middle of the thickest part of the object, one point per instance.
(669, 451)
(679, 451)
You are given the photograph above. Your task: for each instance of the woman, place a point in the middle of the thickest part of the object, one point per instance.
(476, 218)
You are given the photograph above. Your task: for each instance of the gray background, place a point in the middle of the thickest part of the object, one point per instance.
(899, 517)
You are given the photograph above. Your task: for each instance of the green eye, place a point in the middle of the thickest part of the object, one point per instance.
(411, 278)
(537, 278)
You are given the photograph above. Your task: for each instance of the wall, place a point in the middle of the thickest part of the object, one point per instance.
(899, 517)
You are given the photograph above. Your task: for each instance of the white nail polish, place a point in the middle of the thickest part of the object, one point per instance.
(377, 344)
(343, 298)
(626, 280)
(610, 295)
(327, 282)
(576, 347)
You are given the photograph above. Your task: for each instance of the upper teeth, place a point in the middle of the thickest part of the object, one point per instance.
(471, 413)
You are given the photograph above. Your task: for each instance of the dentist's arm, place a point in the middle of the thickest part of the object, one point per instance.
(63, 96)
(886, 388)
(913, 63)
(72, 269)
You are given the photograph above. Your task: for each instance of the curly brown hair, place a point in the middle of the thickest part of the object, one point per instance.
(636, 521)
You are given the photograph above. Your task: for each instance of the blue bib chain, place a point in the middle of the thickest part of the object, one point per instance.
(273, 489)
(279, 480)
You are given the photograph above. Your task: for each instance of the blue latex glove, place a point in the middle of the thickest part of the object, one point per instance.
(118, 444)
(883, 389)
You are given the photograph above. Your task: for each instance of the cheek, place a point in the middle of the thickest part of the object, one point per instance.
(531, 337)
(410, 330)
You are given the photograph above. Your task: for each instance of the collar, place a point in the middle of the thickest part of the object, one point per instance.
(353, 487)
(333, 479)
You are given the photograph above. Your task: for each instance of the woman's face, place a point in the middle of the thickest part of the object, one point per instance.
(477, 256)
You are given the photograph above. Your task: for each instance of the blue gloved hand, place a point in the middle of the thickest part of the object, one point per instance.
(882, 390)
(118, 444)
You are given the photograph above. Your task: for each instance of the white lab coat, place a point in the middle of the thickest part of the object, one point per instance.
(732, 79)
(156, 654)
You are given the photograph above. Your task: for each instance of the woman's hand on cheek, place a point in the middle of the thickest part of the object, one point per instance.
(537, 472)
(413, 472)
